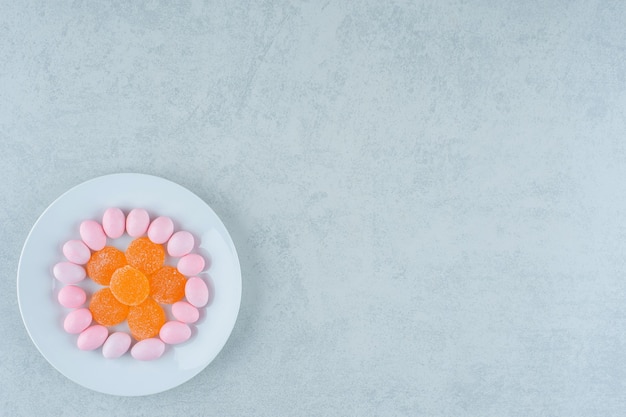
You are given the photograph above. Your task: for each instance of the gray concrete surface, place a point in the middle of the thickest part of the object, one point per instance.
(427, 197)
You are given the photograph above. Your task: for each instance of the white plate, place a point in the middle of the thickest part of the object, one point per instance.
(43, 316)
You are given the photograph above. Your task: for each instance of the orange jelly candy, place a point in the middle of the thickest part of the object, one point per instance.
(167, 285)
(103, 263)
(130, 286)
(106, 309)
(146, 319)
(146, 256)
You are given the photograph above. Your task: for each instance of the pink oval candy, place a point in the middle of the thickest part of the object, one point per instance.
(185, 312)
(68, 273)
(160, 229)
(76, 252)
(92, 338)
(92, 234)
(174, 332)
(113, 222)
(72, 296)
(137, 222)
(180, 244)
(197, 292)
(191, 264)
(77, 321)
(148, 349)
(116, 345)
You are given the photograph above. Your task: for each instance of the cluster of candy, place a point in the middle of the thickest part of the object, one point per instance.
(134, 285)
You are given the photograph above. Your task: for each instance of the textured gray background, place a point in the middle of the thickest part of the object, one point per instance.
(427, 197)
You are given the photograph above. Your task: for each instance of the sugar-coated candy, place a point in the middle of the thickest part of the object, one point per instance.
(174, 332)
(145, 255)
(185, 312)
(77, 321)
(180, 244)
(137, 222)
(106, 309)
(92, 234)
(76, 252)
(191, 264)
(68, 273)
(103, 263)
(116, 345)
(160, 229)
(196, 292)
(113, 222)
(130, 286)
(137, 285)
(167, 285)
(148, 349)
(146, 319)
(71, 296)
(92, 337)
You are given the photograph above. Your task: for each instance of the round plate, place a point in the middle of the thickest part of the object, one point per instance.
(43, 316)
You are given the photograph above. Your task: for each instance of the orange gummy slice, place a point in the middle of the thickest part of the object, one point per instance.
(130, 286)
(103, 263)
(167, 285)
(146, 319)
(105, 308)
(145, 255)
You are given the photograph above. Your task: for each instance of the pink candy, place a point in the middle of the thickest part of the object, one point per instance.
(68, 273)
(185, 312)
(197, 292)
(148, 349)
(191, 264)
(72, 296)
(113, 222)
(92, 338)
(180, 244)
(160, 229)
(137, 222)
(116, 345)
(174, 332)
(92, 234)
(76, 252)
(77, 321)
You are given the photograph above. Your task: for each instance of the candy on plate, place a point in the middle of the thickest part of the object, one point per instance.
(130, 286)
(145, 255)
(167, 285)
(146, 319)
(106, 309)
(104, 263)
